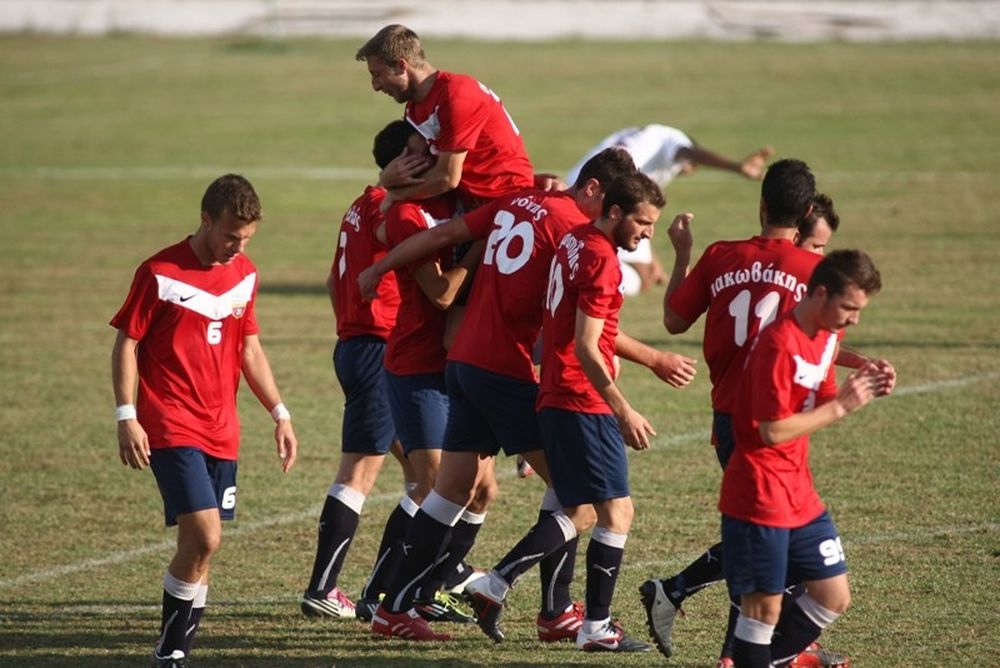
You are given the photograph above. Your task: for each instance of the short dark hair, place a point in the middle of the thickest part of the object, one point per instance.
(392, 43)
(788, 190)
(390, 142)
(822, 208)
(842, 268)
(233, 193)
(606, 167)
(630, 191)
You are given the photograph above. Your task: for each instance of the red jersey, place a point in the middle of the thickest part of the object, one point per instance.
(585, 275)
(358, 249)
(504, 311)
(416, 345)
(190, 320)
(744, 286)
(787, 373)
(461, 114)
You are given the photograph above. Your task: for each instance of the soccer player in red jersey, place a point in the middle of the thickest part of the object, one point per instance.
(478, 147)
(185, 333)
(584, 419)
(774, 525)
(492, 383)
(414, 368)
(363, 326)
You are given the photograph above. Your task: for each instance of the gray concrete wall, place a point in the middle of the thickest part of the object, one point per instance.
(791, 20)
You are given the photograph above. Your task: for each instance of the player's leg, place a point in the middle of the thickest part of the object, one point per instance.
(559, 617)
(662, 599)
(193, 501)
(816, 557)
(756, 567)
(367, 433)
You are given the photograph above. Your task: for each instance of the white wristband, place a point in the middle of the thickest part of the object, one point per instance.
(124, 412)
(279, 412)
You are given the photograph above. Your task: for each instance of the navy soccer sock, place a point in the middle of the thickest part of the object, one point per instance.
(337, 525)
(177, 601)
(704, 571)
(798, 628)
(453, 568)
(424, 543)
(604, 561)
(548, 535)
(389, 551)
(752, 644)
(556, 571)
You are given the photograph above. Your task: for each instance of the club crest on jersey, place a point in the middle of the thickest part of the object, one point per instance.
(239, 309)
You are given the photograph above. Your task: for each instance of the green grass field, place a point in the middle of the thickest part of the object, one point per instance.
(107, 145)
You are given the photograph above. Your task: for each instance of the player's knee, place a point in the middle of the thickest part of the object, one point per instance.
(584, 517)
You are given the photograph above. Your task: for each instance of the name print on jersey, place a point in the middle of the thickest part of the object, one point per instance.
(757, 273)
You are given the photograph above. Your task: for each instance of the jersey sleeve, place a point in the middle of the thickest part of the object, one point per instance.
(693, 297)
(597, 286)
(141, 304)
(462, 113)
(480, 221)
(402, 221)
(772, 369)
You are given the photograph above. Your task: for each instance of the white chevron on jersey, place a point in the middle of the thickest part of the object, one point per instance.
(429, 129)
(214, 307)
(810, 375)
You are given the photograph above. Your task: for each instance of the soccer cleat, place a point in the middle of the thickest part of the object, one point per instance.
(524, 469)
(660, 615)
(609, 638)
(488, 603)
(175, 660)
(407, 625)
(364, 609)
(816, 656)
(443, 608)
(561, 627)
(334, 604)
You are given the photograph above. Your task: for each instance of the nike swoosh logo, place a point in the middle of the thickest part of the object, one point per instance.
(184, 299)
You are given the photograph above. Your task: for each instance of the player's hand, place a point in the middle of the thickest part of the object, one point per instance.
(680, 233)
(888, 377)
(755, 164)
(674, 369)
(368, 282)
(549, 182)
(635, 429)
(288, 445)
(133, 444)
(403, 169)
(860, 387)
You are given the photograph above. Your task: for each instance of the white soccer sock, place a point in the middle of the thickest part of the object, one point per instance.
(348, 496)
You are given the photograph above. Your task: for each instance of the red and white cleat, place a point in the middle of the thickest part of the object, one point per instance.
(407, 625)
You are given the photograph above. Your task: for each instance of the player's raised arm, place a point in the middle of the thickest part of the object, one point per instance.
(133, 444)
(445, 175)
(412, 249)
(257, 371)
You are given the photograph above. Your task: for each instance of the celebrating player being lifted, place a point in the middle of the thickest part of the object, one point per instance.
(185, 332)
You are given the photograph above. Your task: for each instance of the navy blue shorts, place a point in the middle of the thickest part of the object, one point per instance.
(586, 455)
(419, 408)
(190, 480)
(722, 437)
(488, 411)
(367, 426)
(766, 559)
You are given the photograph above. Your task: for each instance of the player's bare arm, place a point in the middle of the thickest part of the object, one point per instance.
(445, 175)
(672, 368)
(133, 444)
(441, 288)
(404, 170)
(412, 249)
(682, 240)
(858, 390)
(257, 371)
(635, 429)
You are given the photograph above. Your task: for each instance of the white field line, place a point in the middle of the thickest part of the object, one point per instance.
(343, 173)
(313, 512)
